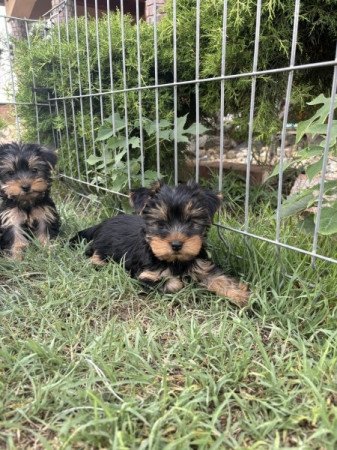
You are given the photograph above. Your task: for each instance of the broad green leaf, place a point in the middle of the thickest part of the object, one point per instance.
(307, 225)
(302, 128)
(328, 222)
(314, 169)
(92, 160)
(134, 167)
(104, 134)
(163, 123)
(286, 164)
(134, 141)
(150, 176)
(309, 152)
(319, 117)
(321, 128)
(117, 121)
(322, 99)
(193, 129)
(165, 135)
(297, 203)
(119, 156)
(333, 136)
(181, 121)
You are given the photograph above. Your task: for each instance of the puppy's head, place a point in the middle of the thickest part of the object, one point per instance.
(176, 218)
(25, 171)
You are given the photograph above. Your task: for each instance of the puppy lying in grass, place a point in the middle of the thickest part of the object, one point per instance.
(165, 243)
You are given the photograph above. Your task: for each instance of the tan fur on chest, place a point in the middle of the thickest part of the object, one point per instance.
(16, 217)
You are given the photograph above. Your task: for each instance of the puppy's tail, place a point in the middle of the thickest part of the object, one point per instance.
(86, 235)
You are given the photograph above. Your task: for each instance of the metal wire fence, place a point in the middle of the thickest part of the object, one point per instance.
(69, 107)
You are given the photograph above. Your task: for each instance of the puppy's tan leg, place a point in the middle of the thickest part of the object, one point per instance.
(12, 221)
(97, 260)
(150, 276)
(171, 284)
(44, 217)
(210, 276)
(19, 244)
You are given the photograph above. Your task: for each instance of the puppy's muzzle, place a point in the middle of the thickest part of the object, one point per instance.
(176, 245)
(26, 187)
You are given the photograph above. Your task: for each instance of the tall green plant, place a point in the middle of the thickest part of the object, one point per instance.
(111, 166)
(311, 160)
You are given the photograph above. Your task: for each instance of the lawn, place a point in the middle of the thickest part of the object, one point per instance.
(90, 360)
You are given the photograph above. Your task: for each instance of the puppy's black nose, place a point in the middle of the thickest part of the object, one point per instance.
(176, 245)
(25, 187)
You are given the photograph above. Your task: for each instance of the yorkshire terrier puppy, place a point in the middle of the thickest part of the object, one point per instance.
(165, 243)
(26, 208)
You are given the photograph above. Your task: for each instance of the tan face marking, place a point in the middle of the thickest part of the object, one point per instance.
(162, 248)
(39, 185)
(12, 189)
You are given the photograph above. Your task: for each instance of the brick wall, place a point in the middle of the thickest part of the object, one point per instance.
(149, 10)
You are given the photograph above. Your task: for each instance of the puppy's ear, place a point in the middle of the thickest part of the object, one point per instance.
(139, 197)
(49, 156)
(213, 202)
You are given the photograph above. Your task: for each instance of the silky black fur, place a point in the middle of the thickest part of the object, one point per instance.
(22, 165)
(165, 243)
(124, 238)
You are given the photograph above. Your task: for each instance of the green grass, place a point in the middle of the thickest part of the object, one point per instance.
(89, 360)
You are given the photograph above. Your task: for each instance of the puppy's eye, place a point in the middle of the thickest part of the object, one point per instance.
(35, 170)
(10, 173)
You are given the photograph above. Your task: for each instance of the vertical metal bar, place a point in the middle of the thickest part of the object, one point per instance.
(125, 94)
(34, 87)
(110, 67)
(80, 93)
(251, 111)
(17, 121)
(222, 94)
(51, 115)
(140, 96)
(175, 92)
(325, 162)
(72, 100)
(63, 90)
(197, 111)
(59, 134)
(156, 91)
(89, 80)
(99, 62)
(102, 145)
(285, 119)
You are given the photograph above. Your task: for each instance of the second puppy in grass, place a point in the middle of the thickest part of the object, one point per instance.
(166, 242)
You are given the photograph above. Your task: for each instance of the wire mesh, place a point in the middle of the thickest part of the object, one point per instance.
(77, 138)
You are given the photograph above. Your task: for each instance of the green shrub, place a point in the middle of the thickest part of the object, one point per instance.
(53, 60)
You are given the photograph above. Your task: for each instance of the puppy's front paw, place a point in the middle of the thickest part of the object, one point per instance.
(237, 292)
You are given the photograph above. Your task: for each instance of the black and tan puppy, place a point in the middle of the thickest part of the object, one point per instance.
(26, 208)
(166, 242)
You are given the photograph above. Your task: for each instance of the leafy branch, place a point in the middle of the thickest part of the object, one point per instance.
(311, 159)
(111, 166)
